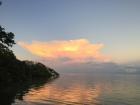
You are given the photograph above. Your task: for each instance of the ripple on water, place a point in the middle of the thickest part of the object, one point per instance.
(85, 90)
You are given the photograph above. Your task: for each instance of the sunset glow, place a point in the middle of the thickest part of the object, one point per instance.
(72, 50)
(76, 95)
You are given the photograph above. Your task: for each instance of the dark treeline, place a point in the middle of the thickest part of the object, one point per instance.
(9, 93)
(14, 70)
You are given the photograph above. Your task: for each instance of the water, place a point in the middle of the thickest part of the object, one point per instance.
(84, 89)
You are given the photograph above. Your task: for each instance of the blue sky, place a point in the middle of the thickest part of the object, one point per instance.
(115, 23)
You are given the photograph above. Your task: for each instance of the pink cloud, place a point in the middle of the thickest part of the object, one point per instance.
(80, 50)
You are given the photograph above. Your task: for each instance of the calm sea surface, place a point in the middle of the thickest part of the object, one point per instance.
(85, 89)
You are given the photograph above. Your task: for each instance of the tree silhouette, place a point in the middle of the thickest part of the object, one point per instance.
(6, 38)
(12, 69)
(6, 41)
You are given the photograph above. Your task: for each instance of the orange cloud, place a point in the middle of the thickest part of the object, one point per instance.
(71, 50)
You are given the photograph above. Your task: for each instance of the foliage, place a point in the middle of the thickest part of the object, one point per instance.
(6, 41)
(6, 38)
(14, 70)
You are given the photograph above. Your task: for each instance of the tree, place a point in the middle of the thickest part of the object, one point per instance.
(6, 38)
(6, 41)
(13, 70)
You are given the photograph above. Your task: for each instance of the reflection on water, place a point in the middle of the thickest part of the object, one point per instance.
(10, 93)
(84, 89)
(76, 94)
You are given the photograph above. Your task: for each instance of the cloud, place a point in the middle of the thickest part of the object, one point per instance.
(80, 50)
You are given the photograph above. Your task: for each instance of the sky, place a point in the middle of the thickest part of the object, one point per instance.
(74, 30)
